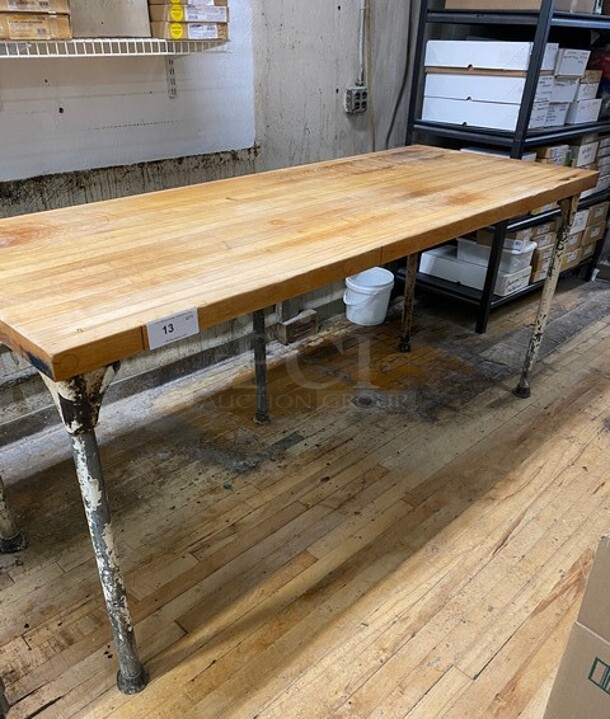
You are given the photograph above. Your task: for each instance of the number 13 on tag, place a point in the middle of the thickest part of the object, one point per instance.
(171, 329)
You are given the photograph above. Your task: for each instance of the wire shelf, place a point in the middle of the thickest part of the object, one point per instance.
(104, 47)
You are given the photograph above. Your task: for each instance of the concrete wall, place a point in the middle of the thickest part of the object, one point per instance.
(304, 54)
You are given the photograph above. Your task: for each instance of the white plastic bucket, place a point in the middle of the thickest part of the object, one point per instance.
(367, 296)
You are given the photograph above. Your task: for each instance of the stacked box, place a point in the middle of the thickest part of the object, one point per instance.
(189, 19)
(481, 83)
(110, 18)
(35, 20)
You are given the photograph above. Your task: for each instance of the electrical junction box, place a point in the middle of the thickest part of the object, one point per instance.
(356, 99)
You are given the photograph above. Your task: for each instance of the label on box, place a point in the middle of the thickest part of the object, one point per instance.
(557, 113)
(587, 91)
(24, 5)
(546, 240)
(171, 329)
(189, 13)
(564, 89)
(584, 155)
(571, 62)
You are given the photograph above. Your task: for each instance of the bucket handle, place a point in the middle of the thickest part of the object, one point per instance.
(354, 304)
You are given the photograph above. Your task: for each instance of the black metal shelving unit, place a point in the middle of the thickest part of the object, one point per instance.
(516, 143)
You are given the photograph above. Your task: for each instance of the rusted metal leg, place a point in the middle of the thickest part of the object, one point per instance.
(11, 540)
(4, 705)
(407, 309)
(78, 401)
(259, 345)
(568, 210)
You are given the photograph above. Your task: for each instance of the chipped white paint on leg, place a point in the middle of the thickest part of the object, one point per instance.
(78, 401)
(10, 538)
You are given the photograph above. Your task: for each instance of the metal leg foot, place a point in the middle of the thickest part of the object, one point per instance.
(407, 309)
(11, 540)
(522, 390)
(79, 400)
(259, 345)
(568, 210)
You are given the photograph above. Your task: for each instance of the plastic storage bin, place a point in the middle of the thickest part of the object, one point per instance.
(443, 262)
(512, 260)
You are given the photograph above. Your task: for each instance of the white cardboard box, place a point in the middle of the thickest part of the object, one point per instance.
(485, 88)
(582, 685)
(486, 54)
(580, 221)
(584, 154)
(583, 111)
(557, 113)
(571, 62)
(500, 116)
(110, 18)
(443, 262)
(586, 91)
(564, 89)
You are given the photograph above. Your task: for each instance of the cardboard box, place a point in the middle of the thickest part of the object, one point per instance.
(582, 685)
(569, 260)
(542, 257)
(516, 241)
(583, 111)
(557, 154)
(526, 157)
(30, 26)
(564, 89)
(604, 141)
(584, 139)
(603, 164)
(500, 116)
(571, 62)
(190, 13)
(557, 113)
(539, 275)
(584, 154)
(443, 262)
(585, 6)
(61, 7)
(594, 233)
(485, 55)
(547, 240)
(544, 229)
(604, 150)
(110, 18)
(588, 251)
(195, 31)
(196, 3)
(482, 88)
(573, 241)
(598, 213)
(591, 77)
(586, 91)
(580, 221)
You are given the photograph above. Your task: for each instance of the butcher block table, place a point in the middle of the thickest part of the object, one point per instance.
(84, 287)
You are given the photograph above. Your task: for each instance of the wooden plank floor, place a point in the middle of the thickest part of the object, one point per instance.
(406, 539)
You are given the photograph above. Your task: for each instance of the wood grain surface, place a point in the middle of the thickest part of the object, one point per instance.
(79, 285)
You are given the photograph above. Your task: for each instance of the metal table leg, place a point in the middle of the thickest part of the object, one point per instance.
(78, 401)
(4, 705)
(259, 345)
(407, 309)
(11, 540)
(568, 210)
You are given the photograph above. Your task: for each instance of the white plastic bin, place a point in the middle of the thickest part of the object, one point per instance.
(367, 296)
(443, 262)
(512, 260)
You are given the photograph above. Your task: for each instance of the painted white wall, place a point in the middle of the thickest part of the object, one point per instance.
(74, 114)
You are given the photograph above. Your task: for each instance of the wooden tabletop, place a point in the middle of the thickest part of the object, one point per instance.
(79, 285)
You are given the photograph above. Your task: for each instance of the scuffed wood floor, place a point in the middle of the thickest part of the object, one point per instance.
(406, 539)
